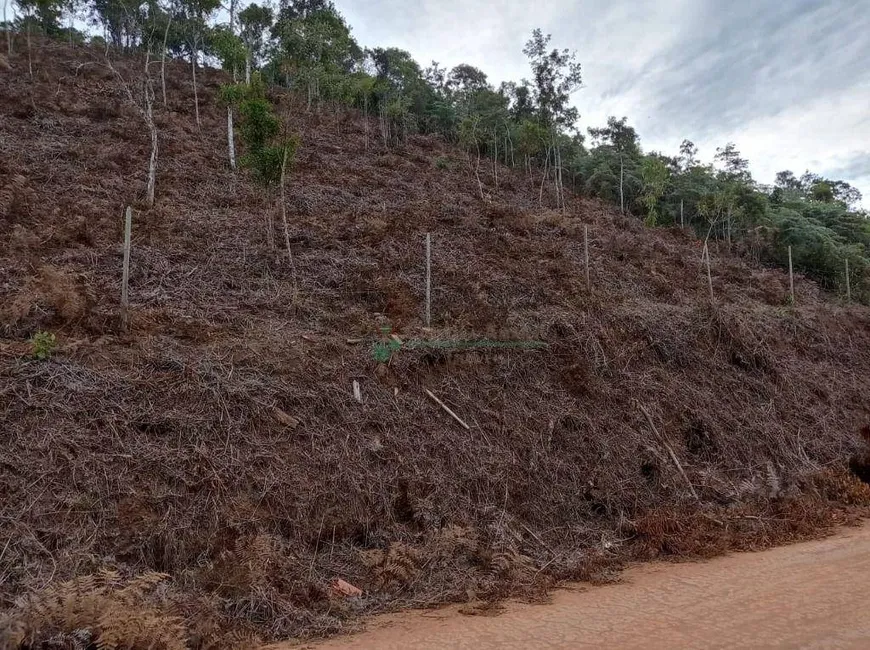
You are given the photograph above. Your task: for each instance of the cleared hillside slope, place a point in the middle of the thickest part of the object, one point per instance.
(219, 440)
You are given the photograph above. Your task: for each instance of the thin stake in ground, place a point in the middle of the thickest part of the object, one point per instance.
(848, 284)
(125, 279)
(790, 276)
(428, 279)
(709, 274)
(586, 254)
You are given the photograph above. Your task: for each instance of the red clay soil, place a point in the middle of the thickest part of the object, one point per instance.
(219, 441)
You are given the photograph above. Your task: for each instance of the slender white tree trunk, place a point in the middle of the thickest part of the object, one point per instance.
(495, 160)
(231, 143)
(248, 67)
(544, 178)
(163, 60)
(8, 30)
(284, 219)
(195, 91)
(621, 180)
(152, 162)
(29, 53)
(152, 128)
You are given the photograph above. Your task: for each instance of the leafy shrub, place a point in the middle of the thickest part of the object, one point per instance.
(43, 344)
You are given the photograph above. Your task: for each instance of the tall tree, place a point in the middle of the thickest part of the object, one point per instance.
(192, 17)
(556, 75)
(254, 20)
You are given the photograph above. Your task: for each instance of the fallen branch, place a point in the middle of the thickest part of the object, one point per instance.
(446, 408)
(670, 451)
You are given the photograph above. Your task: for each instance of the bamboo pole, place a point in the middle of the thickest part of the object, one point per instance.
(790, 276)
(428, 279)
(125, 278)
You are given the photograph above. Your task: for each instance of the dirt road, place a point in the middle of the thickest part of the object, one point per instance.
(810, 595)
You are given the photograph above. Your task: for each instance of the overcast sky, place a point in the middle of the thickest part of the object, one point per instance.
(787, 80)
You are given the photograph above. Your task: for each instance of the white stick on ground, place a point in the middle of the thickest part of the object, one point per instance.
(670, 451)
(446, 408)
(125, 279)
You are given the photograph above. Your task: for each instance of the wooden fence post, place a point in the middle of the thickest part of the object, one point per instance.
(125, 279)
(790, 277)
(428, 279)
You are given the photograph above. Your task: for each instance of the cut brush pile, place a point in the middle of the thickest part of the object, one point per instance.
(203, 478)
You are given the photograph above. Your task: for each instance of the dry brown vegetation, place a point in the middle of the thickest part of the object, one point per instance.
(218, 441)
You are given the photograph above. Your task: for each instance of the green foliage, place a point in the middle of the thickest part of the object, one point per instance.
(227, 47)
(556, 76)
(42, 345)
(383, 351)
(259, 124)
(42, 15)
(442, 162)
(255, 20)
(266, 164)
(655, 176)
(232, 94)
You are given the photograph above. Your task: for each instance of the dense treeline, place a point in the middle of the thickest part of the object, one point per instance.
(307, 45)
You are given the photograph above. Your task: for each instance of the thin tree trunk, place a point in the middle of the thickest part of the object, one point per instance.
(163, 59)
(152, 128)
(511, 140)
(544, 178)
(366, 118)
(848, 284)
(233, 4)
(560, 189)
(231, 143)
(8, 30)
(29, 53)
(621, 181)
(477, 171)
(248, 67)
(284, 219)
(195, 91)
(495, 161)
(125, 273)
